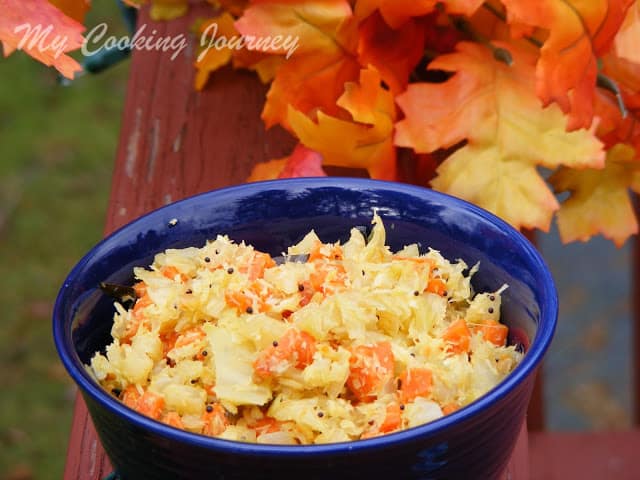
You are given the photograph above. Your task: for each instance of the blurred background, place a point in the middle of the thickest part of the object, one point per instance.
(57, 145)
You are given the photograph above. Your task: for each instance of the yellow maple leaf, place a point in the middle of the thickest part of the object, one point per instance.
(314, 25)
(365, 142)
(627, 41)
(168, 9)
(493, 108)
(214, 55)
(599, 200)
(269, 170)
(303, 162)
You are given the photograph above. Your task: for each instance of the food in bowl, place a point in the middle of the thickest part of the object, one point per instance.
(353, 342)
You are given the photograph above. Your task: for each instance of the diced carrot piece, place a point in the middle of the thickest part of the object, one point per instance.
(306, 293)
(168, 341)
(215, 421)
(322, 251)
(266, 425)
(450, 408)
(137, 316)
(392, 419)
(415, 382)
(192, 335)
(372, 433)
(253, 299)
(295, 347)
(327, 277)
(457, 336)
(268, 362)
(416, 260)
(299, 347)
(315, 253)
(371, 367)
(317, 277)
(141, 304)
(238, 300)
(494, 332)
(132, 328)
(437, 286)
(257, 265)
(171, 272)
(131, 396)
(150, 405)
(173, 419)
(264, 293)
(140, 288)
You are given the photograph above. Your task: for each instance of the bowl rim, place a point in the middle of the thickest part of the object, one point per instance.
(539, 344)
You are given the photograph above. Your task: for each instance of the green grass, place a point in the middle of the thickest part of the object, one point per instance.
(57, 146)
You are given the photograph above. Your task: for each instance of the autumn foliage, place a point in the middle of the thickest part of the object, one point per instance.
(503, 103)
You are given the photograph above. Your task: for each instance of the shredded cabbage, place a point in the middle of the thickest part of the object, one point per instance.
(355, 342)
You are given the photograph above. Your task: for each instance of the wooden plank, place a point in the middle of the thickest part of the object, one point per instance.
(86, 459)
(518, 468)
(535, 412)
(587, 456)
(176, 142)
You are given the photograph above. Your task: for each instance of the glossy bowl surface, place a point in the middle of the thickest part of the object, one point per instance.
(472, 443)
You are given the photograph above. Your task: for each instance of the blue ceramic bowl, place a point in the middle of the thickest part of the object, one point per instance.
(472, 443)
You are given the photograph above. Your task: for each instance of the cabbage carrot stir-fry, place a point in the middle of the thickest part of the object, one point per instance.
(353, 343)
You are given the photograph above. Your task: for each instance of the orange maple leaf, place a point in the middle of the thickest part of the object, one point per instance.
(627, 40)
(397, 12)
(307, 84)
(626, 74)
(214, 55)
(318, 47)
(493, 108)
(303, 162)
(364, 142)
(394, 53)
(315, 26)
(613, 127)
(578, 32)
(76, 9)
(42, 31)
(234, 7)
(599, 200)
(394, 12)
(221, 43)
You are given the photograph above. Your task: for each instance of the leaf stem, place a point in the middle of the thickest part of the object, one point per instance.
(609, 84)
